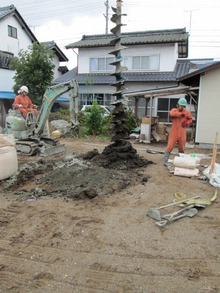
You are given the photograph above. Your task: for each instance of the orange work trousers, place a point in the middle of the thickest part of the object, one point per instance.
(24, 111)
(177, 135)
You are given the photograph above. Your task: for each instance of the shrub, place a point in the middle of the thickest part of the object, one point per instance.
(93, 120)
(132, 121)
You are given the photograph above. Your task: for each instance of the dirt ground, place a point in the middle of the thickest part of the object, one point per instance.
(70, 223)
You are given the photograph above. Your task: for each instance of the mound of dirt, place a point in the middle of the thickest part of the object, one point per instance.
(79, 176)
(119, 156)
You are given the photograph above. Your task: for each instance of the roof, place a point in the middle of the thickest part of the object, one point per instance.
(199, 71)
(182, 68)
(12, 11)
(106, 78)
(179, 36)
(53, 46)
(160, 92)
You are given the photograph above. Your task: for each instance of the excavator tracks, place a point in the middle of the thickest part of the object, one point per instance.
(45, 147)
(27, 148)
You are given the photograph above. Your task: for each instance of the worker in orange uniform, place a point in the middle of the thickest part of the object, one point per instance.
(181, 118)
(23, 103)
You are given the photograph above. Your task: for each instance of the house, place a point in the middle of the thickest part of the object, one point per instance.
(206, 79)
(58, 57)
(157, 75)
(15, 36)
(150, 56)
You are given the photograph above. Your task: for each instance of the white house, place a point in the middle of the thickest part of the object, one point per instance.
(58, 57)
(155, 60)
(152, 59)
(15, 36)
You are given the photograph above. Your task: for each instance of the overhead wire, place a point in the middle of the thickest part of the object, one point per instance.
(32, 11)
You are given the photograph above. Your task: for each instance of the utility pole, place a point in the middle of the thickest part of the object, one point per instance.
(106, 16)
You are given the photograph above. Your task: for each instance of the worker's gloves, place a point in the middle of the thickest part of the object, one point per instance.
(182, 115)
(184, 124)
(20, 106)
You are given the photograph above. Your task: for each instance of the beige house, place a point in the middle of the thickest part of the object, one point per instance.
(208, 103)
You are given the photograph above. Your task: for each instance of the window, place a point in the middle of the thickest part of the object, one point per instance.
(164, 107)
(101, 64)
(142, 62)
(12, 32)
(102, 99)
(166, 104)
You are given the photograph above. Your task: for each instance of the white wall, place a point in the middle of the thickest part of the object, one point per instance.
(57, 64)
(167, 52)
(6, 80)
(10, 44)
(208, 119)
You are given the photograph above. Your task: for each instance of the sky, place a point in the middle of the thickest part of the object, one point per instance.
(66, 21)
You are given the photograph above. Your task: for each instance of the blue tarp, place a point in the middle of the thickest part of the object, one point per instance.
(11, 96)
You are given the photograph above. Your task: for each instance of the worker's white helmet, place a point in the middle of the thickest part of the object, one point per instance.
(23, 88)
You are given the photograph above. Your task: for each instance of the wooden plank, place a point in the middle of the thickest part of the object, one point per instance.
(156, 135)
(214, 153)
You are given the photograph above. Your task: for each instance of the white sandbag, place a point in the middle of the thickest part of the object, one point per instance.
(8, 156)
(7, 140)
(186, 162)
(186, 172)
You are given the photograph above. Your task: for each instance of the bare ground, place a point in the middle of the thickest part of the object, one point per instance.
(71, 224)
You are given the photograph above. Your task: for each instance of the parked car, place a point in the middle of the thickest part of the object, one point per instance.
(106, 110)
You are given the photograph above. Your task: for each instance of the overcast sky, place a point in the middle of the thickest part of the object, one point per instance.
(66, 21)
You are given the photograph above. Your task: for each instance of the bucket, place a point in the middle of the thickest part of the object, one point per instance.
(8, 156)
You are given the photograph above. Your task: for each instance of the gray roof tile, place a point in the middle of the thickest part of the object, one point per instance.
(182, 68)
(53, 46)
(142, 37)
(186, 66)
(4, 11)
(106, 78)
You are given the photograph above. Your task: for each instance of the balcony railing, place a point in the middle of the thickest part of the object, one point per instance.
(5, 59)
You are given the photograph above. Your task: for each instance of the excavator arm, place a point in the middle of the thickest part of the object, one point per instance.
(50, 96)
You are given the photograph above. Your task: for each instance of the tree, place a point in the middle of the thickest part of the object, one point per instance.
(34, 68)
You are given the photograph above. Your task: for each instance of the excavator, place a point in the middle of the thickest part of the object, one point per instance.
(30, 133)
